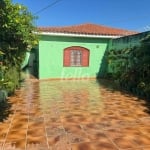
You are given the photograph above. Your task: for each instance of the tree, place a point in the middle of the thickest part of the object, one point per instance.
(16, 36)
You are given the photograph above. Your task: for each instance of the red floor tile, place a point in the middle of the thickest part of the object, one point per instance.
(81, 115)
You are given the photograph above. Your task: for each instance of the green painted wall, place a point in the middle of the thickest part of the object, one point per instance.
(128, 41)
(51, 57)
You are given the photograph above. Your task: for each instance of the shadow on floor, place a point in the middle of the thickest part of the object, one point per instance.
(110, 85)
(27, 74)
(5, 110)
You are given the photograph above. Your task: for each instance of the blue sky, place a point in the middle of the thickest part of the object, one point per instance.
(126, 14)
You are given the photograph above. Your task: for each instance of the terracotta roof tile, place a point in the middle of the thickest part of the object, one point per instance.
(88, 28)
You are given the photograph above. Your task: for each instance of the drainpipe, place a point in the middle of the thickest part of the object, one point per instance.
(26, 60)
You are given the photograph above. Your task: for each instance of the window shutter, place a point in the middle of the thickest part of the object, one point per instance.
(85, 58)
(66, 57)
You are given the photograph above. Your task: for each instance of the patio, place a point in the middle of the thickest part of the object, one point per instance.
(73, 115)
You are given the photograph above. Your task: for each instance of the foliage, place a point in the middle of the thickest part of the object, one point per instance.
(131, 67)
(16, 36)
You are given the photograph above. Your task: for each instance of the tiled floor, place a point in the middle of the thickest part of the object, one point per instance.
(73, 115)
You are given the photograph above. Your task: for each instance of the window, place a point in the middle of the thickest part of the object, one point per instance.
(76, 56)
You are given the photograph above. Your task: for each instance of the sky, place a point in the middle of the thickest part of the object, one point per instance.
(125, 14)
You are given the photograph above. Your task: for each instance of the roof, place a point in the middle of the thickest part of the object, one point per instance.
(87, 29)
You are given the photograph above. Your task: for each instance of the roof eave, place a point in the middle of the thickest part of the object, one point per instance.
(78, 35)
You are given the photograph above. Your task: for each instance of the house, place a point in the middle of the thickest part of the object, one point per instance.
(72, 51)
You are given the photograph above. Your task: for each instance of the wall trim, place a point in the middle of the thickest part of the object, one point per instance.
(77, 35)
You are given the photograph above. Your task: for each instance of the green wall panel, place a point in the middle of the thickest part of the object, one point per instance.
(51, 57)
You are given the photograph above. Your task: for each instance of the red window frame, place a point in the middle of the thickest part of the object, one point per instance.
(69, 58)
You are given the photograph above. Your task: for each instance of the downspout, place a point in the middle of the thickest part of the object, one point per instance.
(26, 60)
